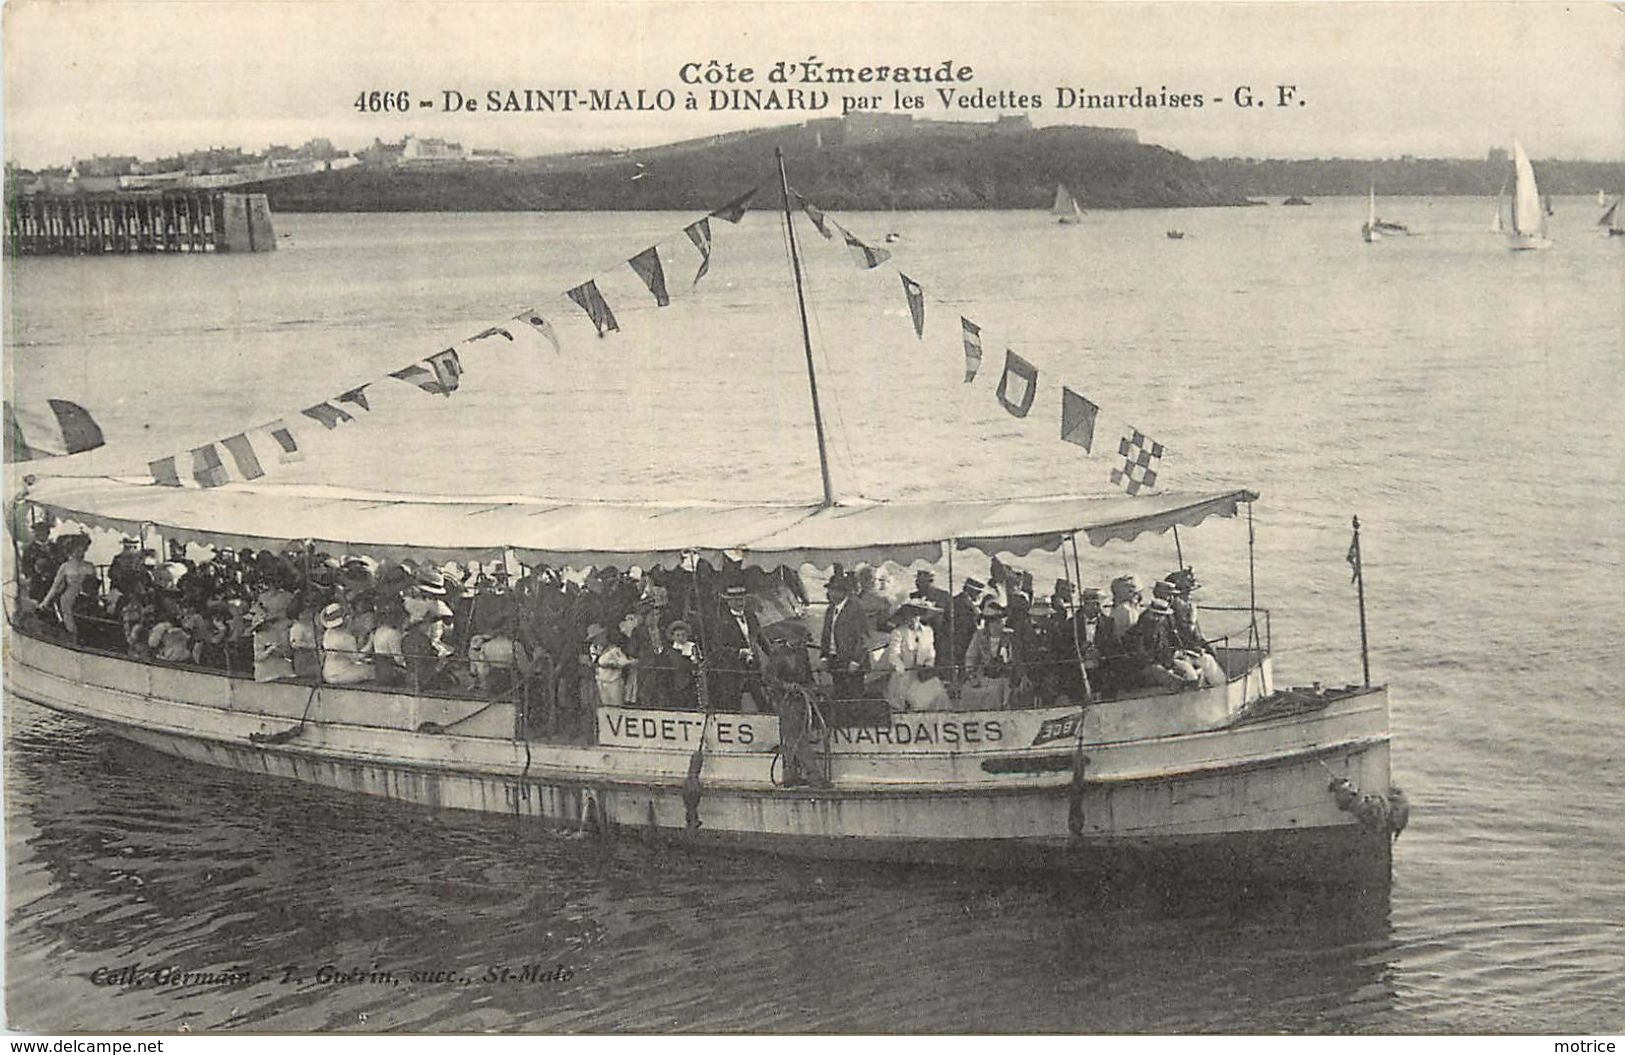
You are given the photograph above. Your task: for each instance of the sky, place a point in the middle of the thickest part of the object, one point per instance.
(151, 77)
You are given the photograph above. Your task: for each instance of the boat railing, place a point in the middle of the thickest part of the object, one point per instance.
(1257, 636)
(554, 699)
(454, 676)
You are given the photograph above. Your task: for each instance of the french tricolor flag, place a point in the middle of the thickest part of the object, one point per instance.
(49, 429)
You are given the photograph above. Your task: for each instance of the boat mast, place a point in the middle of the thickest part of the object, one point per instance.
(806, 336)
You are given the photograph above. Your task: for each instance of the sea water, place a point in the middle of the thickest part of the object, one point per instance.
(1462, 400)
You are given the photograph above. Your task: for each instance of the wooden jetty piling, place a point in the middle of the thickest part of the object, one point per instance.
(171, 221)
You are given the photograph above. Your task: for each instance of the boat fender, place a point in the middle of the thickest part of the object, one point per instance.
(691, 789)
(592, 819)
(1399, 811)
(1074, 804)
(1344, 792)
(431, 728)
(1372, 811)
(268, 739)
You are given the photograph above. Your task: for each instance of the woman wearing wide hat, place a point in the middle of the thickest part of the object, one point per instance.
(911, 657)
(342, 662)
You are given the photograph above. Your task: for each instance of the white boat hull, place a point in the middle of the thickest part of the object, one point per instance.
(1248, 799)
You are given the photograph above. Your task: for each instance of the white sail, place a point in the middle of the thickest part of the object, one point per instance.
(1066, 208)
(1528, 215)
(1368, 230)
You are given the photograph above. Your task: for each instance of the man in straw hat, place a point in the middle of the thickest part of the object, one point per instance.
(736, 651)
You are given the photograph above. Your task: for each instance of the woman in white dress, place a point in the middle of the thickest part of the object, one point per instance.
(911, 656)
(342, 661)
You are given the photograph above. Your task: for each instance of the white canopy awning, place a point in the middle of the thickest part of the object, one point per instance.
(581, 533)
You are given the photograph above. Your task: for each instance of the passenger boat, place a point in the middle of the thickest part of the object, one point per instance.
(1234, 781)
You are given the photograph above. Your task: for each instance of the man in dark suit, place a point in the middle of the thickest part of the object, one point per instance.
(966, 614)
(845, 640)
(1098, 641)
(926, 589)
(735, 654)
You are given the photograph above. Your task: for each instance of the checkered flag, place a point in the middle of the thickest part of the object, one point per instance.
(1139, 454)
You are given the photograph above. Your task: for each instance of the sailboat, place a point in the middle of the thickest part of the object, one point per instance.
(1373, 229)
(1526, 224)
(1066, 208)
(1612, 219)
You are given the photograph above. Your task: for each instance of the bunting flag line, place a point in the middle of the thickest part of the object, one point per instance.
(971, 334)
(867, 256)
(699, 232)
(916, 303)
(1079, 414)
(734, 211)
(1139, 452)
(242, 452)
(164, 473)
(542, 326)
(592, 302)
(816, 215)
(1078, 419)
(438, 375)
(647, 266)
(51, 429)
(59, 427)
(287, 447)
(1017, 367)
(207, 468)
(448, 369)
(330, 416)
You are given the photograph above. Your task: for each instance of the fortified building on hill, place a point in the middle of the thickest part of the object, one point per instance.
(859, 128)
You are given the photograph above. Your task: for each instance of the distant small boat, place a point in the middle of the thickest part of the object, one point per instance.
(1525, 227)
(1373, 229)
(1612, 218)
(1602, 199)
(1295, 200)
(892, 238)
(1176, 235)
(1066, 208)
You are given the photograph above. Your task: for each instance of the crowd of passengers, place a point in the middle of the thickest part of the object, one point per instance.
(620, 638)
